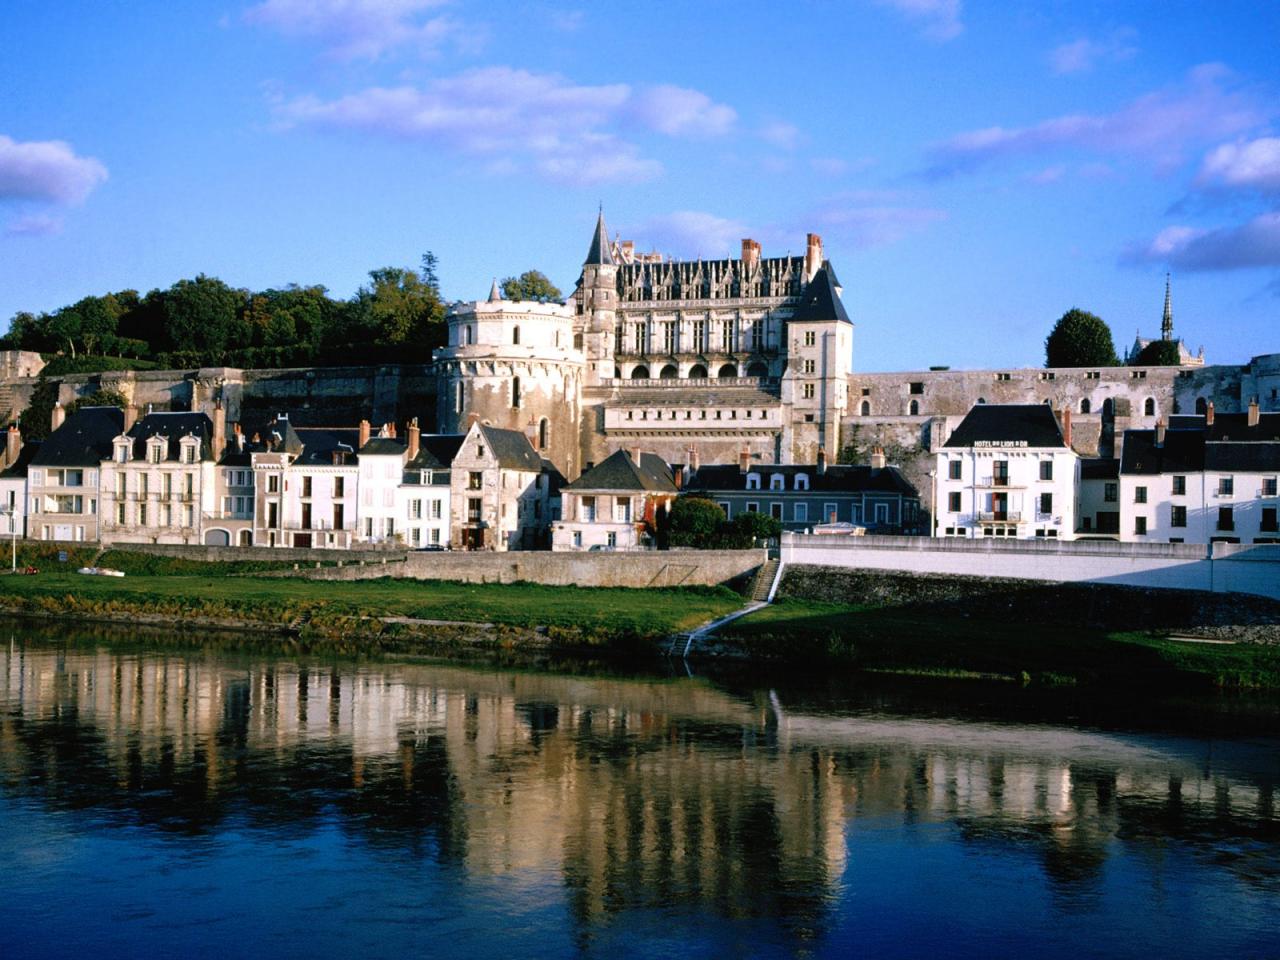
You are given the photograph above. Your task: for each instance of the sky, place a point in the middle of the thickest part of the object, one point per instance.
(975, 169)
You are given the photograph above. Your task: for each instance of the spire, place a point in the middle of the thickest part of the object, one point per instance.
(494, 293)
(1166, 325)
(599, 252)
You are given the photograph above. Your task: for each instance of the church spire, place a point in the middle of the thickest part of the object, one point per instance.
(1166, 324)
(495, 294)
(599, 252)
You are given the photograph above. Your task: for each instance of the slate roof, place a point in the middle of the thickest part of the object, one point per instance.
(173, 427)
(838, 478)
(19, 467)
(619, 472)
(1254, 457)
(512, 449)
(820, 300)
(436, 451)
(317, 446)
(383, 447)
(600, 252)
(1101, 468)
(282, 436)
(1183, 452)
(1031, 423)
(83, 440)
(1235, 426)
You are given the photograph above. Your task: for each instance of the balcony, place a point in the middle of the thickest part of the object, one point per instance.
(998, 481)
(1000, 516)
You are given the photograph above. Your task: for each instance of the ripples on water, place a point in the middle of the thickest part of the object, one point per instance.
(200, 804)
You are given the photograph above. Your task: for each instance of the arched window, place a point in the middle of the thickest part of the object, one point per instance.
(1108, 407)
(865, 410)
(728, 370)
(1201, 407)
(515, 334)
(697, 372)
(1086, 406)
(802, 481)
(1149, 408)
(246, 538)
(640, 372)
(543, 430)
(914, 408)
(515, 392)
(669, 372)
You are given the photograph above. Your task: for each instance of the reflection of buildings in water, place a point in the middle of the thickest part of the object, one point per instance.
(635, 793)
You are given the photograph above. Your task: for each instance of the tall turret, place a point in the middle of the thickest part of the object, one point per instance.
(597, 297)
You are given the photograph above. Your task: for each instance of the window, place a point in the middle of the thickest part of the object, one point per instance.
(1268, 486)
(801, 512)
(473, 510)
(339, 486)
(435, 535)
(622, 510)
(775, 511)
(917, 387)
(1046, 469)
(1178, 517)
(122, 453)
(1226, 486)
(577, 538)
(757, 336)
(753, 481)
(306, 516)
(1149, 408)
(913, 409)
(809, 366)
(810, 338)
(120, 513)
(1110, 492)
(153, 453)
(415, 509)
(699, 337)
(611, 539)
(802, 481)
(457, 397)
(728, 337)
(1268, 524)
(865, 409)
(515, 392)
(953, 502)
(1179, 486)
(953, 470)
(589, 509)
(306, 486)
(475, 480)
(339, 516)
(1226, 518)
(1004, 376)
(1046, 503)
(1140, 526)
(273, 483)
(515, 335)
(808, 391)
(1085, 406)
(1000, 472)
(777, 481)
(642, 337)
(1139, 494)
(669, 337)
(753, 508)
(724, 505)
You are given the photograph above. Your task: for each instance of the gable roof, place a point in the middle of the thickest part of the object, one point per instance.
(316, 447)
(172, 427)
(1235, 427)
(436, 451)
(1032, 424)
(820, 300)
(1255, 457)
(384, 447)
(512, 449)
(1182, 452)
(83, 440)
(837, 478)
(619, 472)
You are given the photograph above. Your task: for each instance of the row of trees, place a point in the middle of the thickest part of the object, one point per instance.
(698, 522)
(1083, 339)
(398, 314)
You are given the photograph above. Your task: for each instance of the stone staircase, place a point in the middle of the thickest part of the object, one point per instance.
(764, 580)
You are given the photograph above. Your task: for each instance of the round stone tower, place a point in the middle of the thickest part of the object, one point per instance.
(513, 364)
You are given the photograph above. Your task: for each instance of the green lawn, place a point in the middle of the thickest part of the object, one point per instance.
(894, 641)
(645, 613)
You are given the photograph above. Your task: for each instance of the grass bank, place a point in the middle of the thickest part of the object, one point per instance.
(878, 638)
(356, 611)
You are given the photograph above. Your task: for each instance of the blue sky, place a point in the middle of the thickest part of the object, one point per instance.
(975, 169)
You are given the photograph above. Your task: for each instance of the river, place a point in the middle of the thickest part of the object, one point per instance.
(157, 801)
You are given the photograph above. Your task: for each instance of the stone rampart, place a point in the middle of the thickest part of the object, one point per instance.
(1218, 568)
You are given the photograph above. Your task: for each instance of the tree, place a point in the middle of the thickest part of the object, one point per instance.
(695, 522)
(746, 530)
(530, 285)
(99, 398)
(1159, 353)
(204, 315)
(397, 308)
(1080, 339)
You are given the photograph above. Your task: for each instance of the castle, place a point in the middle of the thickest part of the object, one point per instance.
(754, 353)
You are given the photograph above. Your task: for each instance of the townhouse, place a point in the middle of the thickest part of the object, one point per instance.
(616, 505)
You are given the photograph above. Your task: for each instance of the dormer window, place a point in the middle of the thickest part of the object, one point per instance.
(155, 452)
(753, 481)
(802, 481)
(122, 453)
(777, 481)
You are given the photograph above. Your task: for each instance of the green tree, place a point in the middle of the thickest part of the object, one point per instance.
(397, 308)
(1159, 353)
(747, 530)
(694, 522)
(1080, 339)
(204, 316)
(99, 398)
(530, 285)
(36, 419)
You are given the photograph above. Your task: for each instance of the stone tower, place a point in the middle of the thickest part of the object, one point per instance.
(597, 305)
(514, 365)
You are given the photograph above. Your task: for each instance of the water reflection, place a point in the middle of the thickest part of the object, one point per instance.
(634, 797)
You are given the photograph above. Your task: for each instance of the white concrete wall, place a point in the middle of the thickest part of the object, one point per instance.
(1228, 567)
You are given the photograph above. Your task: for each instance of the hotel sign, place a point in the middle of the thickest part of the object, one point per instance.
(999, 443)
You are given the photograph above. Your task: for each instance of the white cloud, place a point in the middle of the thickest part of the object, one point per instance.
(1157, 127)
(1253, 164)
(359, 29)
(780, 134)
(939, 18)
(518, 119)
(34, 225)
(693, 233)
(1082, 55)
(1248, 245)
(47, 171)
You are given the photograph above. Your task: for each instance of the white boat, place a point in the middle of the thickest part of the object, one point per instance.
(100, 572)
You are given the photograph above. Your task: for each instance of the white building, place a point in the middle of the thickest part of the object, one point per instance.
(62, 478)
(423, 499)
(1007, 471)
(616, 505)
(305, 484)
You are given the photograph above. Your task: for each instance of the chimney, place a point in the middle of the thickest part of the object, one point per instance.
(878, 461)
(1253, 412)
(12, 445)
(744, 459)
(391, 429)
(1208, 415)
(750, 254)
(58, 416)
(677, 476)
(130, 416)
(219, 429)
(195, 396)
(812, 256)
(239, 439)
(1160, 433)
(1066, 426)
(635, 455)
(693, 459)
(822, 460)
(415, 439)
(365, 429)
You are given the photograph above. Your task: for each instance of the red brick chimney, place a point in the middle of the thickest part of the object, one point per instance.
(1160, 433)
(744, 460)
(1208, 415)
(1066, 426)
(878, 460)
(1253, 412)
(415, 438)
(365, 429)
(130, 416)
(812, 255)
(58, 415)
(750, 254)
(219, 429)
(693, 458)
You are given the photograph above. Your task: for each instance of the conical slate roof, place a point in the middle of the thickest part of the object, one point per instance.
(599, 252)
